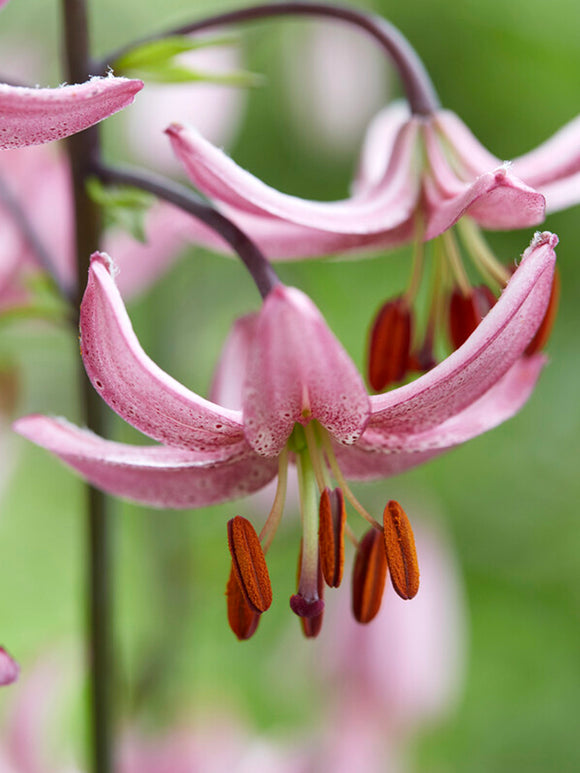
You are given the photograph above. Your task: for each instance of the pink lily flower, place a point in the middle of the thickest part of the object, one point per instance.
(417, 176)
(302, 398)
(9, 669)
(31, 116)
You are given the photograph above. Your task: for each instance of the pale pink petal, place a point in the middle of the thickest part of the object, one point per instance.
(483, 359)
(9, 668)
(378, 454)
(553, 160)
(133, 385)
(379, 144)
(33, 116)
(159, 476)
(298, 371)
(230, 374)
(392, 201)
(474, 159)
(563, 193)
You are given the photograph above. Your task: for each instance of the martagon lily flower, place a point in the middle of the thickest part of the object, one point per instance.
(32, 116)
(302, 400)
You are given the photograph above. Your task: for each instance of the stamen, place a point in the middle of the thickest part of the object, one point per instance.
(273, 521)
(339, 477)
(331, 536)
(318, 465)
(543, 332)
(311, 626)
(241, 617)
(249, 564)
(368, 577)
(400, 551)
(418, 260)
(467, 311)
(389, 344)
(454, 259)
(479, 249)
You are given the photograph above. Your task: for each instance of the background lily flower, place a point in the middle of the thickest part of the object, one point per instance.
(298, 375)
(8, 668)
(34, 116)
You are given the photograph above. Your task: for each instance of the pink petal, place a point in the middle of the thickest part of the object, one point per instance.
(9, 668)
(159, 476)
(474, 158)
(230, 374)
(392, 202)
(553, 160)
(379, 145)
(133, 385)
(483, 359)
(378, 454)
(34, 116)
(298, 371)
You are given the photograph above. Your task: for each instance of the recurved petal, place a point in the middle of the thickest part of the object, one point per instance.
(33, 116)
(298, 371)
(390, 203)
(490, 351)
(380, 455)
(474, 159)
(553, 160)
(230, 374)
(158, 476)
(133, 385)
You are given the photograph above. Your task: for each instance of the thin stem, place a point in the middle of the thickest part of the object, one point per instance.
(418, 87)
(43, 257)
(486, 261)
(259, 267)
(273, 521)
(454, 259)
(82, 148)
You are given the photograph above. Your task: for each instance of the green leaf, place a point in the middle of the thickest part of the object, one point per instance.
(149, 55)
(123, 206)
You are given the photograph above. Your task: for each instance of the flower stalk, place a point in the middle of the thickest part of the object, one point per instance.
(82, 148)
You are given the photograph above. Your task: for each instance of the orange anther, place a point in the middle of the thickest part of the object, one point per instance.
(368, 577)
(467, 311)
(400, 551)
(389, 344)
(249, 564)
(331, 535)
(241, 617)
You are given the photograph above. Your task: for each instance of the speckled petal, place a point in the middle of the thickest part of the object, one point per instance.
(298, 371)
(392, 201)
(378, 454)
(133, 385)
(490, 351)
(158, 476)
(230, 374)
(33, 116)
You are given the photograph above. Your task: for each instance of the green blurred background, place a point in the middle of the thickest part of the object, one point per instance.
(509, 499)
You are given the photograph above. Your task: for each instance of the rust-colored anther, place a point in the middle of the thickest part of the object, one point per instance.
(389, 344)
(241, 617)
(368, 576)
(467, 311)
(400, 551)
(249, 564)
(331, 535)
(543, 332)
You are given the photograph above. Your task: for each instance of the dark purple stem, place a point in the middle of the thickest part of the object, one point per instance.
(259, 267)
(418, 86)
(82, 149)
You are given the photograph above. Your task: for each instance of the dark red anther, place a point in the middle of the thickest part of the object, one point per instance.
(389, 344)
(249, 564)
(368, 576)
(467, 311)
(241, 617)
(543, 332)
(331, 535)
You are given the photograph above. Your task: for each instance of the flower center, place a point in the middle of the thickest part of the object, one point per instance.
(321, 555)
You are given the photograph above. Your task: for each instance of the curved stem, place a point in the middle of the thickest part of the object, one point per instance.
(259, 267)
(416, 81)
(81, 149)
